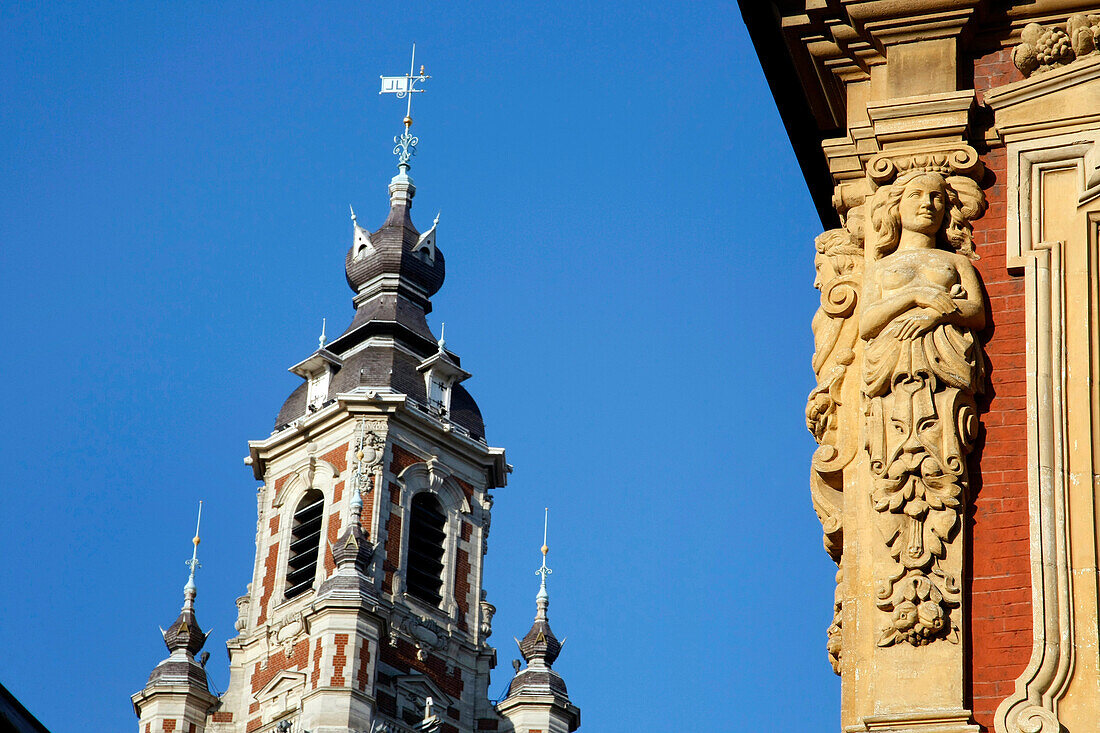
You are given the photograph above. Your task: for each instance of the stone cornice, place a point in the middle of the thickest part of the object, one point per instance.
(1057, 101)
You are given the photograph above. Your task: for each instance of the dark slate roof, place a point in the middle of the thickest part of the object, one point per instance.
(185, 633)
(174, 671)
(388, 309)
(381, 367)
(540, 643)
(537, 682)
(15, 717)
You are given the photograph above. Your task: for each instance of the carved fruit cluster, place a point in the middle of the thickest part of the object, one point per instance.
(920, 613)
(1047, 48)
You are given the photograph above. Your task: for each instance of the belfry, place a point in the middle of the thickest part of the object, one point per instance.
(365, 611)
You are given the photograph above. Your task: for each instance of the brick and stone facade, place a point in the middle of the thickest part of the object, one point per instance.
(951, 149)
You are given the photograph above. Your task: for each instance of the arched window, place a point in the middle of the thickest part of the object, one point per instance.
(305, 540)
(425, 567)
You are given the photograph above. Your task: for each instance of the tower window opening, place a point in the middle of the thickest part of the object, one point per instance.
(426, 536)
(305, 541)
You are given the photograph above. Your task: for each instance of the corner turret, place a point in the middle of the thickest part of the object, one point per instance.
(537, 698)
(177, 689)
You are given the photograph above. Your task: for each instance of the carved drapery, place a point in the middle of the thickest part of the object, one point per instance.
(896, 334)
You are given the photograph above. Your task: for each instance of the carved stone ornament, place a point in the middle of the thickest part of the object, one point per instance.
(488, 610)
(898, 366)
(424, 633)
(1042, 49)
(242, 610)
(839, 268)
(287, 631)
(922, 367)
(838, 265)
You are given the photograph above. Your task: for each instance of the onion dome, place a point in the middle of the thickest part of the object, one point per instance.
(397, 249)
(388, 346)
(185, 634)
(540, 643)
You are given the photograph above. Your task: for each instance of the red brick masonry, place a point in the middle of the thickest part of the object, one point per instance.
(1000, 574)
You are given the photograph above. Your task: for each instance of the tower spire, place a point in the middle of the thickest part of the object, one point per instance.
(177, 687)
(542, 600)
(537, 695)
(191, 590)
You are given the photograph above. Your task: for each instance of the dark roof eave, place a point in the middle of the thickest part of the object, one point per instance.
(794, 109)
(397, 330)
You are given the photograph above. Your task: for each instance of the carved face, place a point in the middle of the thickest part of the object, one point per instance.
(823, 270)
(922, 204)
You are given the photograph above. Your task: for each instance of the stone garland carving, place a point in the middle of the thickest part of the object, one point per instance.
(1043, 49)
(838, 267)
(922, 306)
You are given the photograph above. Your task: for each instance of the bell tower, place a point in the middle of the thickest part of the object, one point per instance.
(365, 607)
(365, 611)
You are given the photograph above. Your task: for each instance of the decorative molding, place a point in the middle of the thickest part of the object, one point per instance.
(1060, 101)
(304, 478)
(1033, 705)
(839, 276)
(1028, 162)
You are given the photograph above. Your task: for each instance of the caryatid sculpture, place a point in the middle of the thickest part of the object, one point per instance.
(898, 367)
(922, 367)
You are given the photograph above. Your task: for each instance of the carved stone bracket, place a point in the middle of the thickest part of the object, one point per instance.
(922, 368)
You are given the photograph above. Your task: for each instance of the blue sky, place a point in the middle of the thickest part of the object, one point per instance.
(629, 256)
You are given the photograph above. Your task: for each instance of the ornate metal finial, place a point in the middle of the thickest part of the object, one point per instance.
(543, 598)
(190, 590)
(353, 219)
(404, 87)
(442, 330)
(321, 339)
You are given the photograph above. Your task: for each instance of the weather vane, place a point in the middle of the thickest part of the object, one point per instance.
(404, 87)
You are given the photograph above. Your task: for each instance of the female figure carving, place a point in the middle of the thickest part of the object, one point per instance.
(922, 307)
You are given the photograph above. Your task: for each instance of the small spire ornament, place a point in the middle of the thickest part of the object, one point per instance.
(191, 590)
(543, 598)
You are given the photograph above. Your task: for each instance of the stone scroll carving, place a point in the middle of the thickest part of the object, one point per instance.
(922, 367)
(838, 266)
(839, 269)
